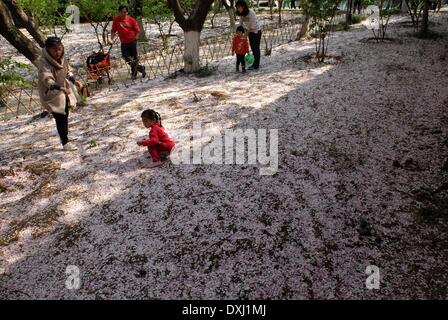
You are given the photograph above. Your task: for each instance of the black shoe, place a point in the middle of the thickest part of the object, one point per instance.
(134, 77)
(244, 70)
(143, 71)
(252, 68)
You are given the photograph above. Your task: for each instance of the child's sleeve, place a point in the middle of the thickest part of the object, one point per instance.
(153, 138)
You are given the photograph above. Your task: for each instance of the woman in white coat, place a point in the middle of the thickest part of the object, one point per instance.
(55, 91)
(249, 20)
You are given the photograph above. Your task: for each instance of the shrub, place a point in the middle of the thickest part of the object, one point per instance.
(322, 13)
(11, 78)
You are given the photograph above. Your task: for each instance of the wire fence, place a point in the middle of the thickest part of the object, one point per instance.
(165, 62)
(20, 100)
(158, 63)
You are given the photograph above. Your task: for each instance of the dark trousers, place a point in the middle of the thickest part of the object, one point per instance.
(293, 4)
(254, 40)
(240, 60)
(62, 124)
(129, 53)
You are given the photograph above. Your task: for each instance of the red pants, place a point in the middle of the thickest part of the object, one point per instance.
(155, 150)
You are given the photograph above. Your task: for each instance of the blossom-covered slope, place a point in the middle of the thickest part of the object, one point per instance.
(361, 181)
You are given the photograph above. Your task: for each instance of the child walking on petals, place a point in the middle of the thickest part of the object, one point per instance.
(240, 46)
(159, 142)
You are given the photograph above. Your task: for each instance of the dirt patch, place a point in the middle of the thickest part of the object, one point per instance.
(70, 234)
(3, 187)
(394, 67)
(385, 40)
(311, 58)
(39, 168)
(7, 172)
(219, 95)
(173, 103)
(40, 222)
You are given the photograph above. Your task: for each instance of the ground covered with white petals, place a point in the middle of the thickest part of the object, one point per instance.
(361, 180)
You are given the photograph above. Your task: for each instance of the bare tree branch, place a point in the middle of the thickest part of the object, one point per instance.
(175, 6)
(15, 37)
(27, 21)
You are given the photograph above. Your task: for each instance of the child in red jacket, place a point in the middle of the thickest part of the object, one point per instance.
(159, 141)
(240, 46)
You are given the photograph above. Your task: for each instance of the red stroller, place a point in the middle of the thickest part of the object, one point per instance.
(98, 65)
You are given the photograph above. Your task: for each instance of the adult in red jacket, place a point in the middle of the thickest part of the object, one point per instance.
(128, 30)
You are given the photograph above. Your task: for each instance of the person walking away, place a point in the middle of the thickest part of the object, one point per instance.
(128, 30)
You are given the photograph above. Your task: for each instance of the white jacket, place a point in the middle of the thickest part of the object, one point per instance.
(52, 72)
(250, 22)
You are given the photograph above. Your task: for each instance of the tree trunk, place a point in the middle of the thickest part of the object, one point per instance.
(192, 27)
(321, 54)
(212, 20)
(424, 23)
(137, 12)
(142, 34)
(191, 51)
(105, 32)
(404, 7)
(348, 14)
(303, 33)
(26, 21)
(15, 37)
(280, 5)
(231, 12)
